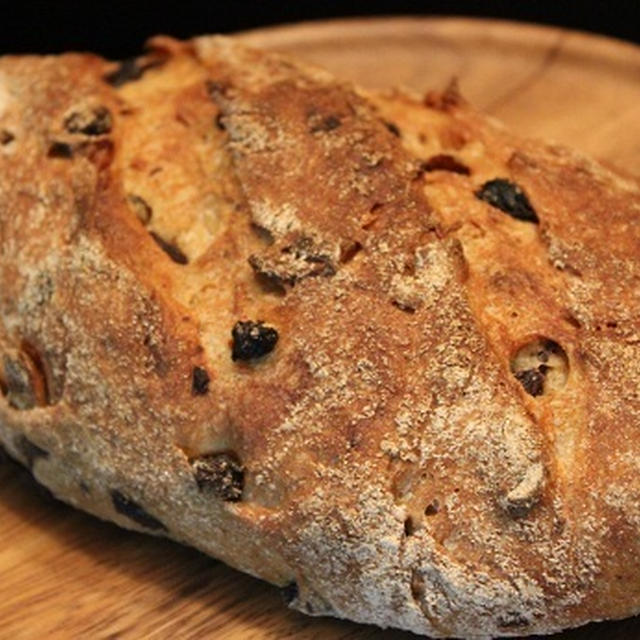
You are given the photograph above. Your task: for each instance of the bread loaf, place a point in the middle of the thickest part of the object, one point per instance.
(374, 349)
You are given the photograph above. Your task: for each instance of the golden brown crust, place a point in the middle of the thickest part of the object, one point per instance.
(396, 454)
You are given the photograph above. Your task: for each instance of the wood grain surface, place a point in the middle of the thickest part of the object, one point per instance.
(64, 574)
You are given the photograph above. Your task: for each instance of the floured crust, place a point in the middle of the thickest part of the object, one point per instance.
(393, 458)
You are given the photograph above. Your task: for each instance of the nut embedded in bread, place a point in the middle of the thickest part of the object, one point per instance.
(378, 351)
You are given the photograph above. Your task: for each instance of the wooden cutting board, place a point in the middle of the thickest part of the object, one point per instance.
(64, 574)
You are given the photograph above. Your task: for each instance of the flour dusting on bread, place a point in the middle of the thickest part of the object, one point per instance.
(374, 349)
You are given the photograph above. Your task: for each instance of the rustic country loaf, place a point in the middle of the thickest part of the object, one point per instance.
(380, 352)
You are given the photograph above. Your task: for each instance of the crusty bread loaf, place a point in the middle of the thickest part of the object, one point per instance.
(376, 350)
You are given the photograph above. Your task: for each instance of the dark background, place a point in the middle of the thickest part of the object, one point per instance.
(118, 29)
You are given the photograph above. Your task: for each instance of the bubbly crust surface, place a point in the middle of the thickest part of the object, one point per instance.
(431, 421)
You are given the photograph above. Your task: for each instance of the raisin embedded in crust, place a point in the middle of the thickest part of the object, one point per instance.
(130, 70)
(252, 340)
(220, 474)
(59, 149)
(393, 128)
(132, 510)
(30, 451)
(289, 592)
(318, 123)
(541, 367)
(90, 122)
(508, 197)
(409, 526)
(432, 508)
(6, 136)
(532, 380)
(200, 381)
(219, 122)
(174, 252)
